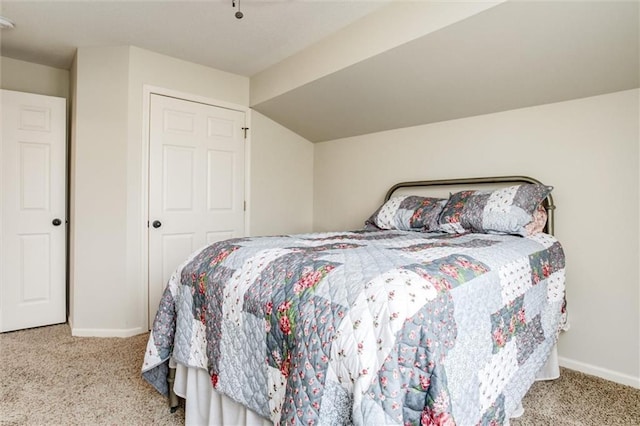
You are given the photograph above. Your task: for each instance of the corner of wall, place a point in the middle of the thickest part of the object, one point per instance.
(603, 373)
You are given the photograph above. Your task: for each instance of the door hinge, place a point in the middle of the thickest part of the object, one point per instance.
(245, 131)
(245, 206)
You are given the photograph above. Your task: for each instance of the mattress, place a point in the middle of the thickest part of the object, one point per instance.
(364, 327)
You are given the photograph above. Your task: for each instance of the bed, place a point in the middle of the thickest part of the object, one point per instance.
(441, 311)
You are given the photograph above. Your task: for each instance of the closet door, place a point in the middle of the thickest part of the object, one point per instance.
(33, 224)
(196, 183)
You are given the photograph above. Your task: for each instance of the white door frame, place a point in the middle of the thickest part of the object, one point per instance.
(148, 90)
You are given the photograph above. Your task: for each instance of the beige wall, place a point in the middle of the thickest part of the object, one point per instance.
(71, 186)
(108, 277)
(587, 148)
(27, 77)
(281, 179)
(148, 68)
(98, 201)
(108, 284)
(593, 148)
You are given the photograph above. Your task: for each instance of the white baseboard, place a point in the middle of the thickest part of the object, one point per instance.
(106, 332)
(603, 373)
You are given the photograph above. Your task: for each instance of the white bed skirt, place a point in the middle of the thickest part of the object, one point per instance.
(204, 406)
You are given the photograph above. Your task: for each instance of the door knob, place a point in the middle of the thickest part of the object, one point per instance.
(156, 224)
(56, 222)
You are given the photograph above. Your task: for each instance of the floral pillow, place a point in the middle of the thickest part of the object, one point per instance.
(408, 213)
(539, 221)
(502, 211)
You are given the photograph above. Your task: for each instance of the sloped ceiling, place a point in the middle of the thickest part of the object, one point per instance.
(514, 55)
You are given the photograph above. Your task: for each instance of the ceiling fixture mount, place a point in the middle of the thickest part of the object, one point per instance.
(239, 14)
(6, 24)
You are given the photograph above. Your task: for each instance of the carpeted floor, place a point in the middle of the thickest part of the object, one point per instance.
(51, 378)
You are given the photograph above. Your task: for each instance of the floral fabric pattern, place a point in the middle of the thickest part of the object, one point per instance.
(407, 213)
(364, 327)
(538, 222)
(502, 211)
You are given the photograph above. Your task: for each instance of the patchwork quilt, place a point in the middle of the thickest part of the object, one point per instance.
(365, 327)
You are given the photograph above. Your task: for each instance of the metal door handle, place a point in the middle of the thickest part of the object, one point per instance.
(156, 224)
(56, 222)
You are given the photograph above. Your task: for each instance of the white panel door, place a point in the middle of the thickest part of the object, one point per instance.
(196, 183)
(33, 229)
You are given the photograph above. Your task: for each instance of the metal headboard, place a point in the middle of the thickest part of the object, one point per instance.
(548, 202)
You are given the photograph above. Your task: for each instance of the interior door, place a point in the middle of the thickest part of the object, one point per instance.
(33, 225)
(196, 183)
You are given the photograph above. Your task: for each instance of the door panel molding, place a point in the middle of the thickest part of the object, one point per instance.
(213, 128)
(33, 226)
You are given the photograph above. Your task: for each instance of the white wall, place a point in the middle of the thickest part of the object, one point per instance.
(109, 229)
(98, 173)
(588, 149)
(28, 77)
(108, 284)
(281, 179)
(153, 69)
(592, 145)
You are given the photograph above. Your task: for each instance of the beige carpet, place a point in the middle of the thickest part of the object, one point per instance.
(51, 378)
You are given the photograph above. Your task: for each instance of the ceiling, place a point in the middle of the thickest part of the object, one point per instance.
(514, 55)
(204, 32)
